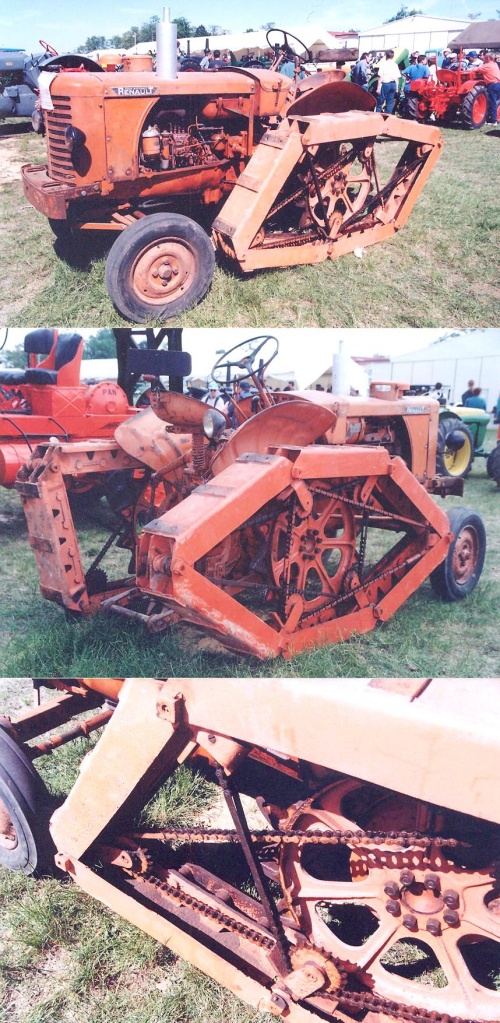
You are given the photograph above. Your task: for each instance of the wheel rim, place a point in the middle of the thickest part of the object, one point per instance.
(457, 462)
(360, 882)
(465, 555)
(164, 271)
(8, 834)
(479, 107)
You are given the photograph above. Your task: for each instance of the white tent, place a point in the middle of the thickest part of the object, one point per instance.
(453, 362)
(241, 44)
(418, 32)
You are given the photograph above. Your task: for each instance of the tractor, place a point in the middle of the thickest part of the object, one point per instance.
(458, 94)
(363, 888)
(281, 170)
(20, 72)
(310, 522)
(46, 399)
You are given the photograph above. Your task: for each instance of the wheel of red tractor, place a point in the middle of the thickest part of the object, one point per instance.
(493, 465)
(160, 266)
(25, 843)
(413, 110)
(475, 107)
(459, 573)
(455, 448)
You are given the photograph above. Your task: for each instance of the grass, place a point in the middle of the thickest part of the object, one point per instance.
(425, 637)
(442, 268)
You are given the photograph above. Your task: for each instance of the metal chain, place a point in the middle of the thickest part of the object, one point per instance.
(297, 837)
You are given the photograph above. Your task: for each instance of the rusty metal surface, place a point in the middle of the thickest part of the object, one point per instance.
(332, 98)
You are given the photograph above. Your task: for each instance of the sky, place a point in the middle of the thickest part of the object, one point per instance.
(303, 353)
(67, 26)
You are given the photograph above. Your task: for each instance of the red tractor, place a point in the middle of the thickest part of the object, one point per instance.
(458, 93)
(47, 400)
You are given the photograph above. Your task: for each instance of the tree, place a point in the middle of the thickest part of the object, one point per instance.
(269, 25)
(474, 17)
(93, 43)
(200, 30)
(184, 28)
(404, 12)
(214, 30)
(15, 358)
(100, 345)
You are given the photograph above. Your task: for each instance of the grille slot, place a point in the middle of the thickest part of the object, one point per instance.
(60, 161)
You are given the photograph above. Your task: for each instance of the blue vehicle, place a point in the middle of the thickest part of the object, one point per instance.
(19, 73)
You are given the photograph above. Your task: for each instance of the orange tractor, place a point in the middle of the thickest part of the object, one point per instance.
(312, 521)
(287, 167)
(372, 859)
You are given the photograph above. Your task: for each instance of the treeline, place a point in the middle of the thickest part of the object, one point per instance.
(146, 33)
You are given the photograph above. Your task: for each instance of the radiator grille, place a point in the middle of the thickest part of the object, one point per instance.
(60, 161)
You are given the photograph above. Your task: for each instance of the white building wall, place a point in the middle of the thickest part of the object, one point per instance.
(413, 34)
(454, 373)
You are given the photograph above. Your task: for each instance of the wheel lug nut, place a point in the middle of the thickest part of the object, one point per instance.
(393, 907)
(392, 889)
(451, 899)
(410, 922)
(431, 882)
(407, 878)
(434, 927)
(451, 917)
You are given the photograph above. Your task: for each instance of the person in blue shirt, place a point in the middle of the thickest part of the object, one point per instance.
(414, 71)
(476, 401)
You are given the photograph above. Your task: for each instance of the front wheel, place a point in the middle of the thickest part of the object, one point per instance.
(475, 107)
(413, 111)
(25, 843)
(460, 571)
(160, 266)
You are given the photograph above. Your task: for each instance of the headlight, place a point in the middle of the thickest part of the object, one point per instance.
(73, 138)
(213, 423)
(37, 121)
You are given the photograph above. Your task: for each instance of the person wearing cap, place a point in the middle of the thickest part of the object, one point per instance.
(448, 58)
(213, 397)
(490, 73)
(388, 82)
(474, 59)
(241, 389)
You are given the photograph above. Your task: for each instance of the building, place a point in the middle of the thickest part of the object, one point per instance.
(419, 32)
(453, 362)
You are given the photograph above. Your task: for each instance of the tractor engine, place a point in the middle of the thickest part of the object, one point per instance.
(176, 146)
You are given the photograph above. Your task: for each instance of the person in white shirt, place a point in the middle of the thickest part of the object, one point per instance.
(213, 397)
(388, 82)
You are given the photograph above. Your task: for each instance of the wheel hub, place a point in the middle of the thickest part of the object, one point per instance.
(162, 270)
(465, 555)
(8, 836)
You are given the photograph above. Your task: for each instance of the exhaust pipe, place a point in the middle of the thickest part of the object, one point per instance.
(166, 47)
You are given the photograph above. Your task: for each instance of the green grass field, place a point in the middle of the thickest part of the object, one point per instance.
(442, 268)
(425, 637)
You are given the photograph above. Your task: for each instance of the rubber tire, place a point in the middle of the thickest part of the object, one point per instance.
(442, 579)
(135, 239)
(412, 112)
(468, 107)
(28, 803)
(493, 465)
(446, 425)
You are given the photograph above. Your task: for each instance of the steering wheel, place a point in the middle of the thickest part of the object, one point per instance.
(264, 343)
(48, 49)
(286, 45)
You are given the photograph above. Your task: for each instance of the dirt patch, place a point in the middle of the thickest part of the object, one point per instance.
(10, 161)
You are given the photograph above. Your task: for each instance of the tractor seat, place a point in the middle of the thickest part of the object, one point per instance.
(60, 350)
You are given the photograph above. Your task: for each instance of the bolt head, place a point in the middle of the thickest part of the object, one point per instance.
(393, 907)
(451, 899)
(434, 927)
(392, 889)
(410, 922)
(432, 883)
(407, 878)
(451, 917)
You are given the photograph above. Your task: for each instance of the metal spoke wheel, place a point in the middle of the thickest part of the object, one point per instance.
(415, 920)
(343, 173)
(312, 552)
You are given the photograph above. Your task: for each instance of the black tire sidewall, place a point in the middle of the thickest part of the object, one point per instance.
(128, 246)
(26, 799)
(467, 106)
(442, 579)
